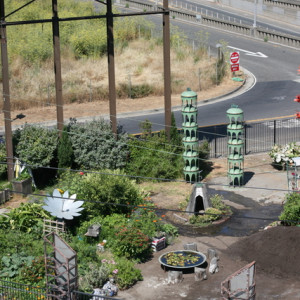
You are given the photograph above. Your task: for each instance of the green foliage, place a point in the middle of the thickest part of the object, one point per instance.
(203, 151)
(94, 144)
(127, 275)
(95, 277)
(211, 214)
(134, 91)
(169, 230)
(86, 253)
(153, 156)
(291, 209)
(35, 272)
(101, 189)
(217, 202)
(37, 146)
(132, 243)
(145, 219)
(65, 151)
(89, 41)
(175, 136)
(11, 265)
(15, 241)
(3, 166)
(27, 218)
(24, 175)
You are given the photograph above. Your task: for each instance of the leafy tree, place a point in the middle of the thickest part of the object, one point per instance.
(37, 146)
(96, 147)
(65, 151)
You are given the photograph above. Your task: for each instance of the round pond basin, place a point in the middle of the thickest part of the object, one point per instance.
(182, 259)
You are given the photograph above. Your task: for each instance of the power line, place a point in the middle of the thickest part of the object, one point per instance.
(149, 178)
(159, 209)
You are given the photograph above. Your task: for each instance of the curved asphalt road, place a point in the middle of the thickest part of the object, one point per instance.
(273, 66)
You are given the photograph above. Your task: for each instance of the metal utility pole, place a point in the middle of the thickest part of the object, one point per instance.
(57, 68)
(255, 14)
(6, 95)
(111, 66)
(167, 68)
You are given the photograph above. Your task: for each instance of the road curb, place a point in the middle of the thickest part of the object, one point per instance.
(248, 83)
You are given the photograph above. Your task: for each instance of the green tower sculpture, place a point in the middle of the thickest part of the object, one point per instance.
(235, 160)
(190, 140)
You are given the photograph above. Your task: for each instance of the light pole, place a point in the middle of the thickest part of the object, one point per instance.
(255, 13)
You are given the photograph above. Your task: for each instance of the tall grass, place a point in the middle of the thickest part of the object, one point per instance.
(138, 59)
(138, 69)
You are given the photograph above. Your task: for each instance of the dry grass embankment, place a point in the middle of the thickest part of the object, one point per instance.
(85, 82)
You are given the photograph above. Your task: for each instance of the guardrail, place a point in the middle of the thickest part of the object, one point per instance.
(201, 18)
(284, 3)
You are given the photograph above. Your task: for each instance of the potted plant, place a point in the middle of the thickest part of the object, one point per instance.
(4, 193)
(23, 184)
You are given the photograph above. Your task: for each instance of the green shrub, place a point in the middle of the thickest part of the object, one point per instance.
(211, 215)
(37, 146)
(28, 217)
(102, 191)
(15, 241)
(11, 265)
(217, 202)
(154, 156)
(35, 272)
(86, 253)
(65, 151)
(95, 145)
(291, 209)
(127, 275)
(134, 91)
(95, 277)
(132, 243)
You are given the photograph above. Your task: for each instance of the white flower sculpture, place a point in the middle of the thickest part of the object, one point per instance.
(63, 206)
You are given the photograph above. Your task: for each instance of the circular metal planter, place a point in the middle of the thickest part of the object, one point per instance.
(182, 259)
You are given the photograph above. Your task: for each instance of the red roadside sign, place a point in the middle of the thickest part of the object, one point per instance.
(235, 61)
(235, 67)
(234, 57)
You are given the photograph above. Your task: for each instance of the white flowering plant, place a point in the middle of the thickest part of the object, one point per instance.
(284, 154)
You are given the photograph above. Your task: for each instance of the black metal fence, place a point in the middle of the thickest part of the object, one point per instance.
(17, 291)
(258, 136)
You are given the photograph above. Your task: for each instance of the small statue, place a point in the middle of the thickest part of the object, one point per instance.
(213, 266)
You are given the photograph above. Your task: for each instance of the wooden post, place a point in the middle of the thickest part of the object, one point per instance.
(6, 96)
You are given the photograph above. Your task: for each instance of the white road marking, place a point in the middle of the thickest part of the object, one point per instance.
(257, 54)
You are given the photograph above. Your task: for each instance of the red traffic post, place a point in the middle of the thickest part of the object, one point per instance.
(298, 115)
(297, 99)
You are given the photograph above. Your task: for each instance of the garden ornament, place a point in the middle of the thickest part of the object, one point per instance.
(213, 266)
(63, 206)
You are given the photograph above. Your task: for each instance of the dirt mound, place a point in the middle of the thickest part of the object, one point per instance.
(275, 250)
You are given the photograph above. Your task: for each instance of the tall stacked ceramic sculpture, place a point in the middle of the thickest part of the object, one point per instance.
(190, 140)
(235, 160)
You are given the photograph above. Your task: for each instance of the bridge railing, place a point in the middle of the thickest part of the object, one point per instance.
(213, 19)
